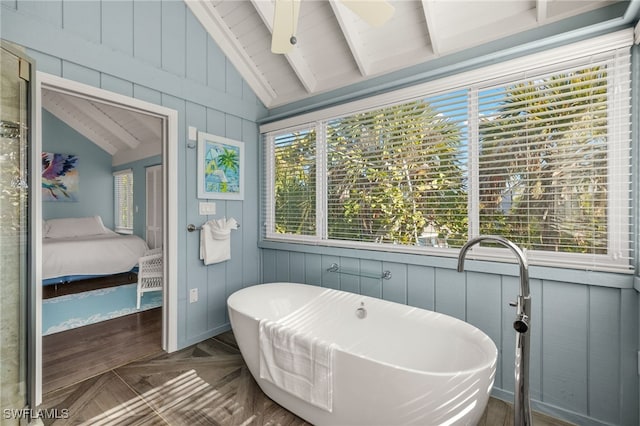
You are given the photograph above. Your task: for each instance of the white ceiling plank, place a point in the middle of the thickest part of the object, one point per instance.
(75, 119)
(541, 11)
(430, 16)
(492, 31)
(128, 156)
(144, 127)
(153, 126)
(397, 61)
(266, 11)
(104, 122)
(353, 37)
(335, 52)
(373, 12)
(214, 24)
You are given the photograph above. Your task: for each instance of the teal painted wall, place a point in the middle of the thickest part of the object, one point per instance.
(95, 175)
(95, 179)
(585, 324)
(583, 337)
(158, 52)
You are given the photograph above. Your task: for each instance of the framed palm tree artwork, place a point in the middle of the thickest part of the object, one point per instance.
(220, 167)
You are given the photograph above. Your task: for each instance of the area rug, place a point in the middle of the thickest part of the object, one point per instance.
(75, 310)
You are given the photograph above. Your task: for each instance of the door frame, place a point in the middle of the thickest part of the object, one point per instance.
(29, 295)
(147, 196)
(169, 119)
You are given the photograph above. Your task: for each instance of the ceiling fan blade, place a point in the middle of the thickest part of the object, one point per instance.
(373, 12)
(285, 24)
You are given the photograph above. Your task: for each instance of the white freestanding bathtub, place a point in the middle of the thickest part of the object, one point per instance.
(392, 365)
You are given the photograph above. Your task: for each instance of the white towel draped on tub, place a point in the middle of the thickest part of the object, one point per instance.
(215, 240)
(297, 363)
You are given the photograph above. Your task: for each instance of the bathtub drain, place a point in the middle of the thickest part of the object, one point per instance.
(361, 312)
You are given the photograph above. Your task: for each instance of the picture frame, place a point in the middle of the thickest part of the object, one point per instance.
(220, 167)
(60, 181)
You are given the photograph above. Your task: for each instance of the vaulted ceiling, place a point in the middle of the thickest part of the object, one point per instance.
(336, 48)
(125, 134)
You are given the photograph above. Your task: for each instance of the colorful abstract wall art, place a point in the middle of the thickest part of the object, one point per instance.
(59, 177)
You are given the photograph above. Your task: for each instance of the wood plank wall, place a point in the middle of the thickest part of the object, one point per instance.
(158, 52)
(583, 361)
(585, 337)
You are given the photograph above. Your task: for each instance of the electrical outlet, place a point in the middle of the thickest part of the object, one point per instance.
(193, 295)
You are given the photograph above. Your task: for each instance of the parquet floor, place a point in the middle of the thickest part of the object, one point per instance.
(205, 384)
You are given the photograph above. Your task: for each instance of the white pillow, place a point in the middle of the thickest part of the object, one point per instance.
(74, 227)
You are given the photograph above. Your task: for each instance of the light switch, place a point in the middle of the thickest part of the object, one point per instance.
(207, 209)
(193, 133)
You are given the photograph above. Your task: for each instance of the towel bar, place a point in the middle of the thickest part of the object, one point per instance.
(191, 227)
(386, 275)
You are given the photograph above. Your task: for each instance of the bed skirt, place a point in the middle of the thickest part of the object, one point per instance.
(61, 286)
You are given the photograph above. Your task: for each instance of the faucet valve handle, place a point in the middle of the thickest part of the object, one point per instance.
(514, 304)
(521, 324)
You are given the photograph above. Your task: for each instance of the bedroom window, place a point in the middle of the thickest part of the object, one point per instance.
(540, 156)
(123, 201)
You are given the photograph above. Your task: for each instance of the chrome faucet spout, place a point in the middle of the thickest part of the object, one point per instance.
(522, 325)
(522, 259)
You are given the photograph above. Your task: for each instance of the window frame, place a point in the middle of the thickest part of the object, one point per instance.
(119, 227)
(611, 47)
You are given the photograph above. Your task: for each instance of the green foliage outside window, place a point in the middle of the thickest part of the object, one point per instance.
(545, 150)
(396, 171)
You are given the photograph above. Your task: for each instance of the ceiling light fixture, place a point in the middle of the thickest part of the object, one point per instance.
(285, 19)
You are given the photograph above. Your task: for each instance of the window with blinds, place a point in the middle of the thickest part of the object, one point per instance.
(541, 157)
(545, 161)
(395, 174)
(123, 201)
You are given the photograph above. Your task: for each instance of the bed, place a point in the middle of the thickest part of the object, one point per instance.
(78, 249)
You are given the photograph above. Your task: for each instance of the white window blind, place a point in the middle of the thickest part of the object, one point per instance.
(293, 192)
(397, 174)
(554, 173)
(123, 201)
(541, 157)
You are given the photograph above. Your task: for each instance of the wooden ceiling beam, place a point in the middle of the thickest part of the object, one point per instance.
(75, 118)
(214, 24)
(103, 121)
(541, 11)
(354, 40)
(430, 14)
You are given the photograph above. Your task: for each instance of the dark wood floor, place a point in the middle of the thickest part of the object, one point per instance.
(205, 384)
(74, 355)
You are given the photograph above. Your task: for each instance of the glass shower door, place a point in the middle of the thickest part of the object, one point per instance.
(14, 234)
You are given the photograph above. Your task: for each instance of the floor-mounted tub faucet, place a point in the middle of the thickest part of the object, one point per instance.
(522, 407)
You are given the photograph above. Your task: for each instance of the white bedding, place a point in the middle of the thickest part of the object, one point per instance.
(102, 254)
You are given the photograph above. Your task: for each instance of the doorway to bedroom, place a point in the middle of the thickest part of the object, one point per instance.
(106, 179)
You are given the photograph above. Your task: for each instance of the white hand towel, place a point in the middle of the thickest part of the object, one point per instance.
(215, 240)
(297, 363)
